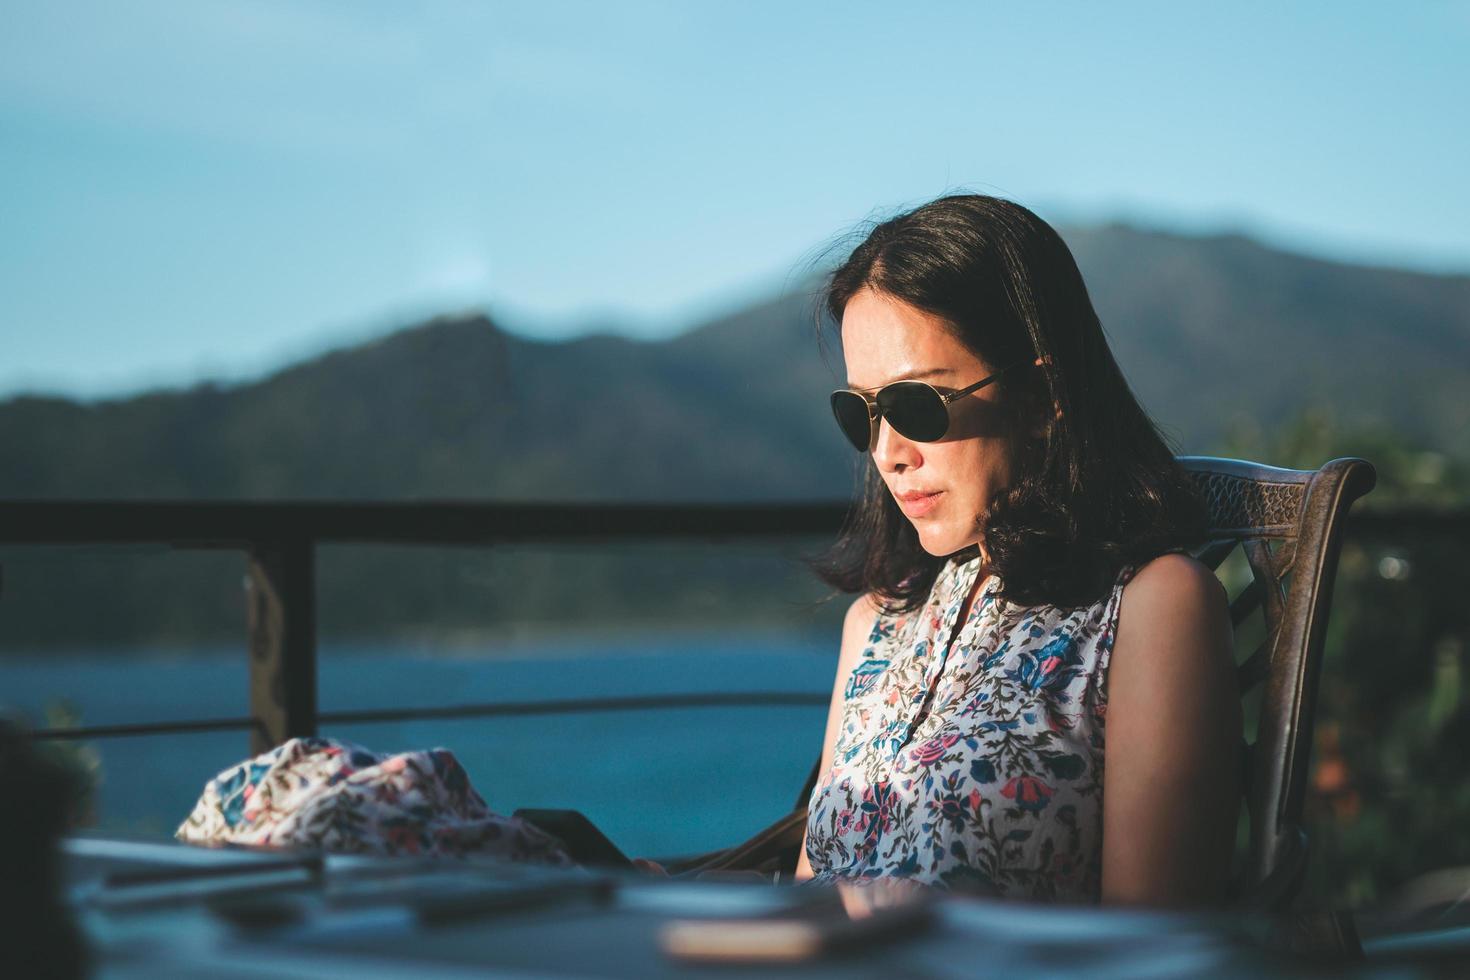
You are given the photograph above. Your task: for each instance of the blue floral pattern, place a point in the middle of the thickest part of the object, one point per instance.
(996, 785)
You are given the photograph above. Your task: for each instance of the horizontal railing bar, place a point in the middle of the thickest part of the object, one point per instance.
(739, 699)
(583, 706)
(1421, 520)
(238, 524)
(153, 728)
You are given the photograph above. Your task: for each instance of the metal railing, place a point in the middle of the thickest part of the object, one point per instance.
(279, 542)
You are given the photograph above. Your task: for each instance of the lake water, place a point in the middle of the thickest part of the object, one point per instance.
(658, 782)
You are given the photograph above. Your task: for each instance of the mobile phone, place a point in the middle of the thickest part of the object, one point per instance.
(800, 932)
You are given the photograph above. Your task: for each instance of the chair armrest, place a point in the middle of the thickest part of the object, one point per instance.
(770, 850)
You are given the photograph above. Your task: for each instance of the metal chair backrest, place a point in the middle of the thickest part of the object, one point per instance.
(1288, 524)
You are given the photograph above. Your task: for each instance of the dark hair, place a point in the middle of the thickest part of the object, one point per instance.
(1098, 489)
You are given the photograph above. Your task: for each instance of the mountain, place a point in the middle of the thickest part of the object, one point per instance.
(1214, 333)
(1216, 330)
(460, 408)
(1210, 331)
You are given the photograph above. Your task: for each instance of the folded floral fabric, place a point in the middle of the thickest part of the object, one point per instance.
(340, 797)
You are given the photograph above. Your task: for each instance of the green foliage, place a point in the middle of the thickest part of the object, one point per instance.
(1388, 794)
(1408, 473)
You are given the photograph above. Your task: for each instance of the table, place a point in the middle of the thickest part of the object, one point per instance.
(152, 909)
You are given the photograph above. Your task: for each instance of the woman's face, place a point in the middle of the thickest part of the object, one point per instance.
(942, 487)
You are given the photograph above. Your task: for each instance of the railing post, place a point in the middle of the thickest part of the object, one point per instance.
(280, 604)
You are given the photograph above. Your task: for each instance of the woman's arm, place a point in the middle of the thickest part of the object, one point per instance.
(855, 629)
(1171, 790)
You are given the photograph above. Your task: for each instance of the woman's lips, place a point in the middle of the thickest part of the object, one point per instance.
(919, 503)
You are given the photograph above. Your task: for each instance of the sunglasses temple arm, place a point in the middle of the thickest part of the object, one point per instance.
(985, 381)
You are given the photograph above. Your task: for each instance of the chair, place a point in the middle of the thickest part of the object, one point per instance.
(1288, 523)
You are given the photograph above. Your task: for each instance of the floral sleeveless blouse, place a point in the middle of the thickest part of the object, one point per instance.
(976, 764)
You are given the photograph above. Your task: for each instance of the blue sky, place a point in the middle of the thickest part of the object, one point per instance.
(197, 188)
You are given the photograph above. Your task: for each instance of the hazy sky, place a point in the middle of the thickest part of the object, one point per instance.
(203, 188)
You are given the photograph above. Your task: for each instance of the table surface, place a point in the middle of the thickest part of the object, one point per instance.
(152, 909)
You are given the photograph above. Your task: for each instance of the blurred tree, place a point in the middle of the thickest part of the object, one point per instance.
(1389, 796)
(1408, 474)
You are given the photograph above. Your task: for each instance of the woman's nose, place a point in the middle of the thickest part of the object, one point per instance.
(892, 451)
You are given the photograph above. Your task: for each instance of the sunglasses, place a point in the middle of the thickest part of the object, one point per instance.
(916, 410)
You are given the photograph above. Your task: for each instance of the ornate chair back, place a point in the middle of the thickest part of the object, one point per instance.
(1288, 525)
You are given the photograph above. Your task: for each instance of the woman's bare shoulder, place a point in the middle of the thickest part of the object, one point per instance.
(857, 626)
(864, 609)
(1171, 579)
(1174, 603)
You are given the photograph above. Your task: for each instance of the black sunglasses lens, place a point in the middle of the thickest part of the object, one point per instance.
(851, 413)
(915, 410)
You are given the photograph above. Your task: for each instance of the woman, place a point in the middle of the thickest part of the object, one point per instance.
(1035, 692)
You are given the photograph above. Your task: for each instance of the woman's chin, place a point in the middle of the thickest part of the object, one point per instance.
(939, 541)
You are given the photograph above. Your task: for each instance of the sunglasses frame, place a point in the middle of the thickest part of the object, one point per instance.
(877, 411)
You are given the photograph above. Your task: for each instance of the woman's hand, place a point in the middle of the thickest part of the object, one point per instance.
(860, 900)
